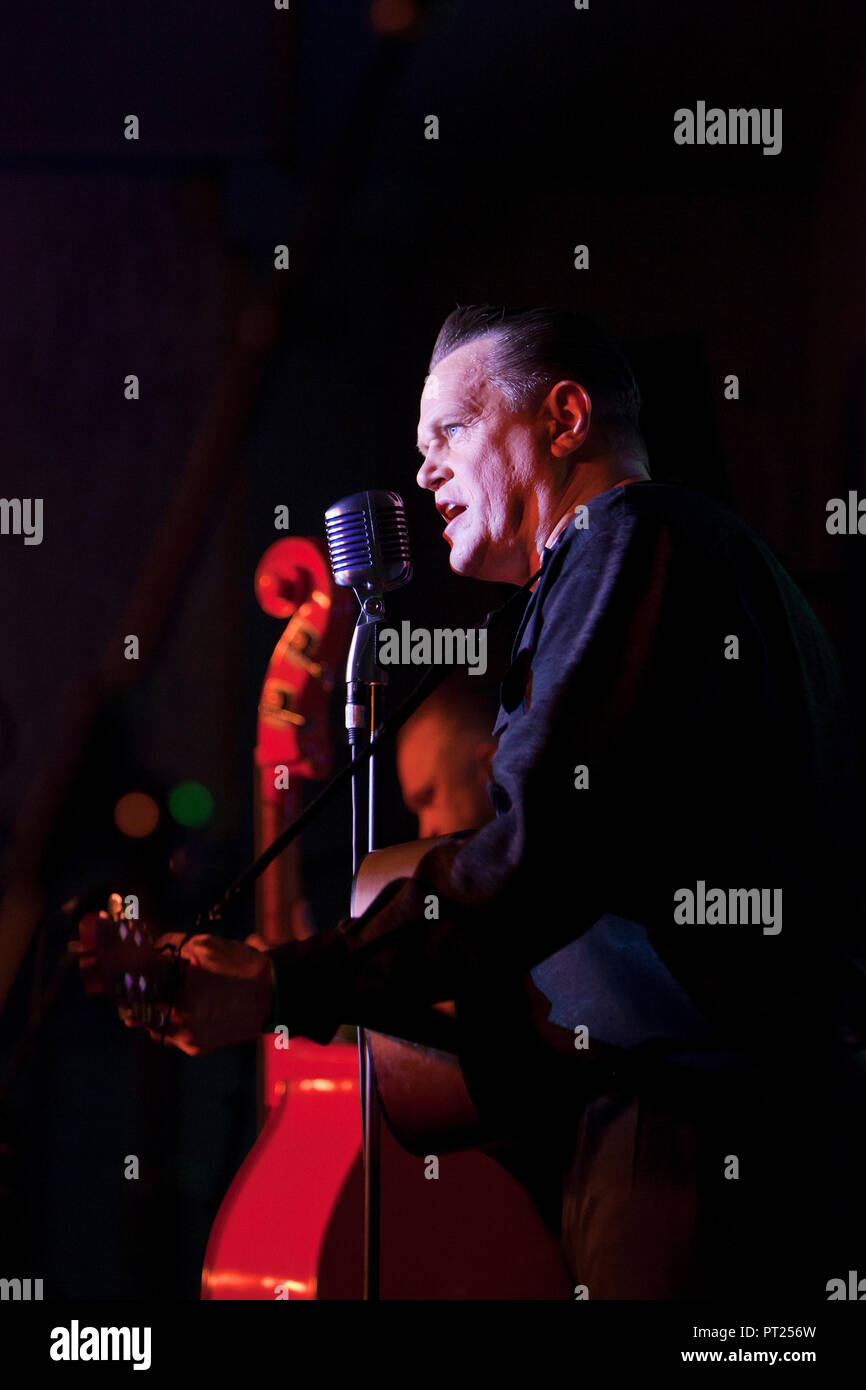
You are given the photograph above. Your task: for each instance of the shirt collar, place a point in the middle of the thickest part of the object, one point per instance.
(557, 532)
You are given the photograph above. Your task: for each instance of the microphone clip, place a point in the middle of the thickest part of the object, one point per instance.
(363, 671)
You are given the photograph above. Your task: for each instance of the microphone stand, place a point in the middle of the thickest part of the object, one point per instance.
(365, 682)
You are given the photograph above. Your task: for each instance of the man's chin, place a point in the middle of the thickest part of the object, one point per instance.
(466, 565)
(480, 564)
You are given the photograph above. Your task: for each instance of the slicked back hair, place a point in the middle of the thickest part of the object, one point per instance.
(536, 347)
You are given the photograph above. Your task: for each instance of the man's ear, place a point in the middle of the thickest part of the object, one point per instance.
(569, 411)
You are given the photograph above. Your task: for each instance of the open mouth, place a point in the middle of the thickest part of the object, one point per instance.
(451, 511)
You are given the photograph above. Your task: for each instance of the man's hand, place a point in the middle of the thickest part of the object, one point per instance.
(225, 997)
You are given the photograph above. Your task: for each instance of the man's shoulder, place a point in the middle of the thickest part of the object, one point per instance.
(670, 505)
(690, 542)
(699, 545)
(695, 525)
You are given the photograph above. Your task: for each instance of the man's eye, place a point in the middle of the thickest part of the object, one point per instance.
(455, 426)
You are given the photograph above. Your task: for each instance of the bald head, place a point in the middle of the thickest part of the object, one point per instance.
(444, 754)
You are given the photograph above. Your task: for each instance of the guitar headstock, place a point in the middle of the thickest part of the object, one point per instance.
(118, 957)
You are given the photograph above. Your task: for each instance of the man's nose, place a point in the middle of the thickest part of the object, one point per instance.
(431, 474)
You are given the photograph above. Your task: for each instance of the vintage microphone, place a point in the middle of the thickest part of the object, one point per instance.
(368, 544)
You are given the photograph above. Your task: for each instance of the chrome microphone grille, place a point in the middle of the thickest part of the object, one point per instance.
(368, 542)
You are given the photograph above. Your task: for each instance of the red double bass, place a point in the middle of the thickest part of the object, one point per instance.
(267, 1238)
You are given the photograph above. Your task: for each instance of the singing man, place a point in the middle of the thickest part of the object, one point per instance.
(672, 722)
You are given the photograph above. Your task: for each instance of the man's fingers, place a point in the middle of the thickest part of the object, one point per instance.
(181, 1041)
(157, 1020)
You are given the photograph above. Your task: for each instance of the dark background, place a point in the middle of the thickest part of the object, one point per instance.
(156, 257)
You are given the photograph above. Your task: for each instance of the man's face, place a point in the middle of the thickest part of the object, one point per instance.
(483, 461)
(443, 773)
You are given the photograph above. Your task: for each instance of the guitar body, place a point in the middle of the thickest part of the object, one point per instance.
(423, 1094)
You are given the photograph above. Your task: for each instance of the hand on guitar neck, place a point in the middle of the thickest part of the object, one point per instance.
(225, 995)
(199, 994)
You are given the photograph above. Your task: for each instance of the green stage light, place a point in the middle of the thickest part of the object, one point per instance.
(191, 804)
